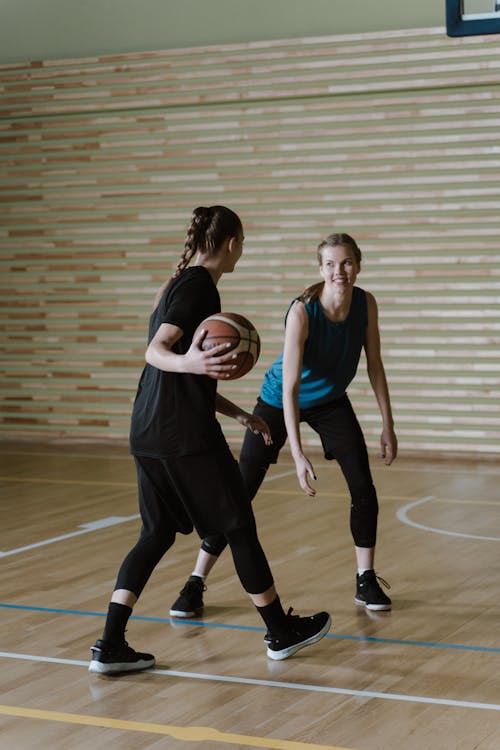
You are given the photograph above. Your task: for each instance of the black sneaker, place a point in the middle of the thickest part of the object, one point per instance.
(108, 659)
(369, 592)
(303, 631)
(190, 600)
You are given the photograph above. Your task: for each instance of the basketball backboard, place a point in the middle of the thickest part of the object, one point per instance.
(472, 17)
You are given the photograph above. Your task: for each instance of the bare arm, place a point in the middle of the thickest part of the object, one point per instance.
(297, 327)
(378, 381)
(253, 422)
(213, 362)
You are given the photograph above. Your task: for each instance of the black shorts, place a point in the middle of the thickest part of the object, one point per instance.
(204, 491)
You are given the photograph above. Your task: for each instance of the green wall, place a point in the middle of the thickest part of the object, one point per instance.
(53, 29)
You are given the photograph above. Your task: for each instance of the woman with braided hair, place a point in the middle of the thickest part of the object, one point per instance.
(326, 328)
(187, 476)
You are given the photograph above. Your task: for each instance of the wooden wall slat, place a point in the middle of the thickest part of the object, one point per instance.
(339, 66)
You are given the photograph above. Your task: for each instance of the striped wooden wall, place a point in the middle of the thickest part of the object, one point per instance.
(391, 137)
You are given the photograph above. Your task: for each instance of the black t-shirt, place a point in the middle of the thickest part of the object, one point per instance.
(174, 413)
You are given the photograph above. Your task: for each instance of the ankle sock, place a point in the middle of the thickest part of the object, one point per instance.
(363, 570)
(274, 616)
(198, 575)
(116, 622)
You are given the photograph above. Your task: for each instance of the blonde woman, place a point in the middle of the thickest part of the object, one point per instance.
(327, 327)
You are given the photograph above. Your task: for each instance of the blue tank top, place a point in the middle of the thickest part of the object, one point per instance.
(331, 356)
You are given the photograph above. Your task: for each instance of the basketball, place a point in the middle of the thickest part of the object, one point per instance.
(234, 329)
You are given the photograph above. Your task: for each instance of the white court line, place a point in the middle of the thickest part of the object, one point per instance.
(85, 528)
(102, 523)
(402, 515)
(280, 476)
(274, 683)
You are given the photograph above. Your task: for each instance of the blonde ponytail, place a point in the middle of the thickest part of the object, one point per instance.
(312, 292)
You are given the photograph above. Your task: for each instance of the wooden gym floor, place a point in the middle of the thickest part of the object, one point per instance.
(424, 676)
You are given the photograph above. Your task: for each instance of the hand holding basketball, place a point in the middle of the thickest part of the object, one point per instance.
(239, 333)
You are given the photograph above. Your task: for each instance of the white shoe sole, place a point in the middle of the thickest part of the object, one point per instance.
(181, 613)
(373, 607)
(100, 667)
(284, 653)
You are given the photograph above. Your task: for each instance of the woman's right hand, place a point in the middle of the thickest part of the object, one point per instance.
(305, 472)
(215, 362)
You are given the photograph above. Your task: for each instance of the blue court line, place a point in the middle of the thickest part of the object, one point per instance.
(222, 625)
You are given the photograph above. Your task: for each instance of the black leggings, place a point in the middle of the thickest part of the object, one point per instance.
(162, 516)
(342, 439)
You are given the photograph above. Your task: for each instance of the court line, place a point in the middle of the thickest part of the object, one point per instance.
(55, 480)
(256, 629)
(193, 734)
(102, 523)
(100, 482)
(487, 462)
(486, 467)
(475, 501)
(274, 683)
(85, 528)
(402, 515)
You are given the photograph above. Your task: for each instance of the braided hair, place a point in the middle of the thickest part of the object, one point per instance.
(339, 239)
(208, 229)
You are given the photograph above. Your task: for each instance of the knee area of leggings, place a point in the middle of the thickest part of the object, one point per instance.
(214, 546)
(366, 504)
(364, 527)
(156, 540)
(364, 498)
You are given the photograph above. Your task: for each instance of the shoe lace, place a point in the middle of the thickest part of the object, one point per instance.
(193, 585)
(126, 646)
(382, 581)
(292, 620)
(289, 615)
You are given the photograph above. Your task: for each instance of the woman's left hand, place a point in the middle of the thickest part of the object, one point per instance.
(388, 445)
(305, 473)
(257, 425)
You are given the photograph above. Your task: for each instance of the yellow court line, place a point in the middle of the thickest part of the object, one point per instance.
(262, 491)
(193, 734)
(455, 501)
(92, 482)
(397, 498)
(97, 483)
(329, 493)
